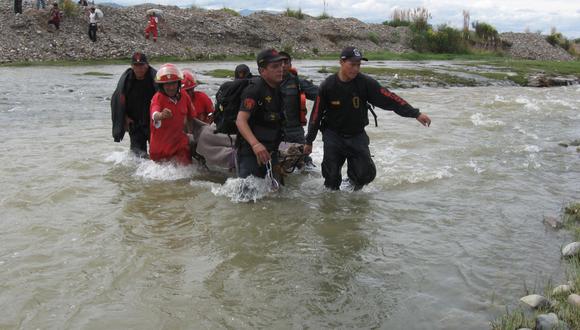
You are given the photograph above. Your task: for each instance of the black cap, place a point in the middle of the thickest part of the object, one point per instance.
(268, 56)
(286, 55)
(352, 53)
(139, 58)
(242, 69)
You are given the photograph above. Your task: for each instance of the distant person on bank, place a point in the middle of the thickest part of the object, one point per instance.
(54, 16)
(341, 113)
(93, 21)
(152, 23)
(40, 4)
(131, 101)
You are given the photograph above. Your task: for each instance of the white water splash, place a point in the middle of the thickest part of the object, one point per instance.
(167, 171)
(476, 168)
(479, 119)
(395, 177)
(243, 190)
(148, 169)
(528, 104)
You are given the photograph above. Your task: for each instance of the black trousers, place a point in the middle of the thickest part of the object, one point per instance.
(139, 134)
(355, 151)
(247, 163)
(93, 32)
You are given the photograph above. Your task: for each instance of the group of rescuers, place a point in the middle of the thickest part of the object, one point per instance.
(152, 106)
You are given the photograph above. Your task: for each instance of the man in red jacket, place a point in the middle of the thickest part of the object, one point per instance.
(201, 102)
(170, 109)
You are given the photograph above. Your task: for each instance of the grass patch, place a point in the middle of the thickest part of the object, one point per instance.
(230, 11)
(220, 73)
(414, 74)
(154, 61)
(298, 14)
(95, 73)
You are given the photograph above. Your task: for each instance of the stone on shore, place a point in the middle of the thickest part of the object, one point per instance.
(549, 322)
(561, 290)
(535, 301)
(553, 222)
(574, 300)
(571, 249)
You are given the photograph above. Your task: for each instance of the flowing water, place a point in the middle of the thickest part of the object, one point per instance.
(447, 236)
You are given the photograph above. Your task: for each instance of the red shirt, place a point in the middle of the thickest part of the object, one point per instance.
(203, 106)
(169, 141)
(153, 22)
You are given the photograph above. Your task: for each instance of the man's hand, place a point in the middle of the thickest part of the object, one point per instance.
(261, 153)
(165, 114)
(424, 120)
(307, 149)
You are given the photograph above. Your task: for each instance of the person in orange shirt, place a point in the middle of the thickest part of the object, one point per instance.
(201, 102)
(170, 110)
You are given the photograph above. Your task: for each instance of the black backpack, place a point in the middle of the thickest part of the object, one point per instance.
(228, 101)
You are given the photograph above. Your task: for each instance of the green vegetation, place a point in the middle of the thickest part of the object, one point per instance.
(518, 318)
(374, 38)
(155, 61)
(557, 39)
(324, 15)
(230, 11)
(294, 13)
(220, 73)
(95, 73)
(69, 8)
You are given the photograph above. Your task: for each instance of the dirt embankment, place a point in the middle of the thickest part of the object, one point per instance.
(198, 33)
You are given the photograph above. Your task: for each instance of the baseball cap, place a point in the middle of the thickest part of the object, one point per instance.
(268, 56)
(352, 53)
(139, 58)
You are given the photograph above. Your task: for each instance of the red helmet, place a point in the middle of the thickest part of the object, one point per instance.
(168, 73)
(188, 81)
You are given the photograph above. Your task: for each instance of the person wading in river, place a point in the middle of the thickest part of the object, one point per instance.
(131, 101)
(341, 113)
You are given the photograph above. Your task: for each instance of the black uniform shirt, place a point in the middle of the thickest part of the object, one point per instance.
(341, 106)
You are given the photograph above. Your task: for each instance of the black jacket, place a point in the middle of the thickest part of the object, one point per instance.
(119, 101)
(342, 106)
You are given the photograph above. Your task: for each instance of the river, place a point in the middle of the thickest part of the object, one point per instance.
(448, 235)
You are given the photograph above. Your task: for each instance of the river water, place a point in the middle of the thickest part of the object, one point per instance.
(448, 235)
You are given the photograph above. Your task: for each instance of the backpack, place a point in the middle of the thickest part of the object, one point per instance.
(228, 101)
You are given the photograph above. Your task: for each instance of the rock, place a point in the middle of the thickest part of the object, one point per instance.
(549, 322)
(563, 144)
(535, 301)
(562, 289)
(533, 46)
(553, 222)
(575, 143)
(571, 249)
(574, 300)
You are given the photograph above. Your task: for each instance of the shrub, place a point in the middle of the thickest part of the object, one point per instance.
(487, 34)
(69, 8)
(315, 51)
(230, 11)
(416, 18)
(324, 15)
(374, 37)
(294, 13)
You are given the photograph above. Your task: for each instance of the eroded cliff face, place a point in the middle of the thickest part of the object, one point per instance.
(189, 33)
(201, 34)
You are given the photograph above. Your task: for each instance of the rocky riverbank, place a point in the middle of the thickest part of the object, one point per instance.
(204, 34)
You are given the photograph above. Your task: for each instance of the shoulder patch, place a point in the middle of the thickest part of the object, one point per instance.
(249, 103)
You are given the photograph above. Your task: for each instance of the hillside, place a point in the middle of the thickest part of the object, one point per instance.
(201, 34)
